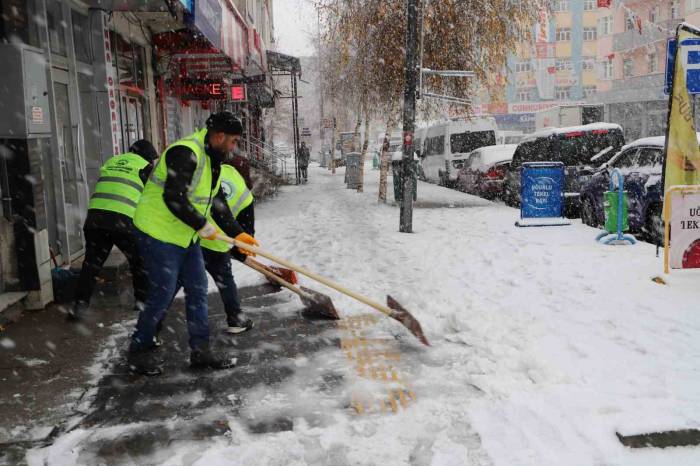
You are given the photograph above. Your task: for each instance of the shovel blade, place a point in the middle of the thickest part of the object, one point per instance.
(319, 304)
(401, 314)
(289, 276)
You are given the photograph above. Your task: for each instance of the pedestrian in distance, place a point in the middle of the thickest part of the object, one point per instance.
(109, 223)
(304, 157)
(182, 194)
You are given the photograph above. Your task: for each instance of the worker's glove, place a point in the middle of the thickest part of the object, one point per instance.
(247, 239)
(208, 231)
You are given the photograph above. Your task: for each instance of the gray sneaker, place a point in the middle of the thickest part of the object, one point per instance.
(238, 323)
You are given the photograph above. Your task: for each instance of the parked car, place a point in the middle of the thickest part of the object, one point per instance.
(484, 172)
(641, 164)
(582, 149)
(446, 146)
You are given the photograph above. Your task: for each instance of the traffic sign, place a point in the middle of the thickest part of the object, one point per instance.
(691, 59)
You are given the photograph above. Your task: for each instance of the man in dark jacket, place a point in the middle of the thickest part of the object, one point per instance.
(304, 157)
(109, 222)
(171, 218)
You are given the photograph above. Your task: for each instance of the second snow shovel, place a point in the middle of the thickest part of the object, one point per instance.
(394, 310)
(315, 302)
(287, 275)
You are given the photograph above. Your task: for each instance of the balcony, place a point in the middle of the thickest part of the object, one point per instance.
(632, 39)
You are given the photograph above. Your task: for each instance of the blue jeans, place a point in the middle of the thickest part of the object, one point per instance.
(164, 263)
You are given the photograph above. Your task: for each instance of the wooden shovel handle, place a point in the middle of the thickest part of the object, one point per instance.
(308, 273)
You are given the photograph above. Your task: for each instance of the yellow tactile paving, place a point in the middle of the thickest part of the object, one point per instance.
(375, 359)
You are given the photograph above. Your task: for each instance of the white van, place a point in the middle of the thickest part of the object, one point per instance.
(447, 145)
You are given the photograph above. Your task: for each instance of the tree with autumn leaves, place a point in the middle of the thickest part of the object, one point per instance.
(363, 55)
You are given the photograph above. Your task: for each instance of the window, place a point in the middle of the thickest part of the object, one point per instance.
(675, 9)
(653, 62)
(653, 14)
(562, 93)
(524, 95)
(590, 34)
(435, 145)
(57, 28)
(606, 68)
(588, 63)
(606, 25)
(589, 5)
(81, 37)
(563, 64)
(628, 67)
(561, 5)
(523, 66)
(627, 159)
(563, 34)
(464, 143)
(629, 22)
(588, 91)
(649, 157)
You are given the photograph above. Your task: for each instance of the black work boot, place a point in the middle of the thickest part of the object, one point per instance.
(145, 362)
(238, 323)
(78, 312)
(204, 358)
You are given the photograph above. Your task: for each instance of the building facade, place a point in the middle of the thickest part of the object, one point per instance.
(610, 53)
(88, 78)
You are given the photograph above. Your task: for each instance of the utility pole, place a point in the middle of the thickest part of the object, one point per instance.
(322, 128)
(409, 116)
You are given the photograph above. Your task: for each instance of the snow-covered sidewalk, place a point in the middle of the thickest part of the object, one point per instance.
(544, 343)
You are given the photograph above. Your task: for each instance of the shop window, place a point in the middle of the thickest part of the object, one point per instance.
(57, 28)
(16, 24)
(81, 36)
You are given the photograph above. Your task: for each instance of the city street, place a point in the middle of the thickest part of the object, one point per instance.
(544, 345)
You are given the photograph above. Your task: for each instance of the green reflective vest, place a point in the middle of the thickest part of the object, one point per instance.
(119, 187)
(152, 214)
(238, 197)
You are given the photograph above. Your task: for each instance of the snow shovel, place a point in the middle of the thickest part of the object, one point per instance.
(315, 302)
(394, 310)
(285, 274)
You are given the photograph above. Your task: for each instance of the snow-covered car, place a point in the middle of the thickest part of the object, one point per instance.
(484, 172)
(641, 164)
(582, 149)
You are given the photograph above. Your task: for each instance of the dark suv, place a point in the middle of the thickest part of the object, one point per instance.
(641, 164)
(582, 149)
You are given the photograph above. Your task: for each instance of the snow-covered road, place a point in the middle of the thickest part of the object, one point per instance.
(544, 343)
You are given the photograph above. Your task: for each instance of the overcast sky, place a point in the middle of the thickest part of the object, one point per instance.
(295, 26)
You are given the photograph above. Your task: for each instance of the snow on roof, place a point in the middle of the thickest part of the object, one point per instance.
(658, 141)
(569, 129)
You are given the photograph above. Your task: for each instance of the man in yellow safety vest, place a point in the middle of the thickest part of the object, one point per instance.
(217, 254)
(109, 222)
(182, 194)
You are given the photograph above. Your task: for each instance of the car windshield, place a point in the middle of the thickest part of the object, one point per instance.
(463, 143)
(579, 147)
